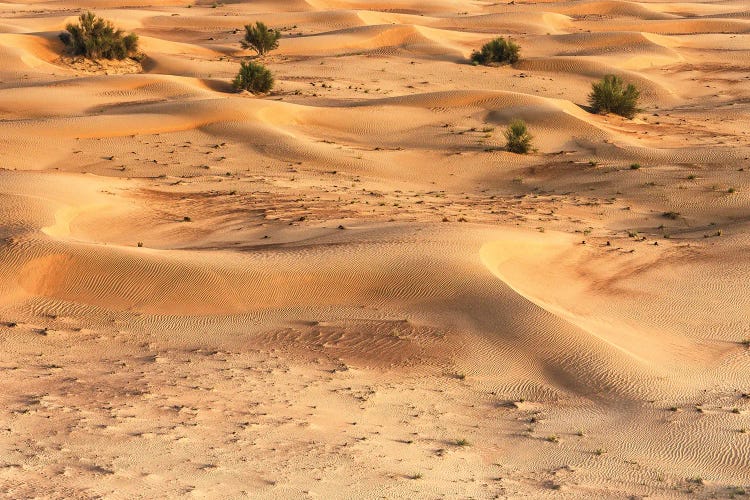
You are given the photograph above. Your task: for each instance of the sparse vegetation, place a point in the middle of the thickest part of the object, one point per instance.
(518, 137)
(254, 78)
(462, 442)
(260, 38)
(635, 166)
(97, 38)
(498, 51)
(612, 95)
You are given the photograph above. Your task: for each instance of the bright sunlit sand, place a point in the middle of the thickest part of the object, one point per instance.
(348, 286)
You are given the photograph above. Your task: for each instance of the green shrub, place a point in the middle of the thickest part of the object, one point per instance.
(611, 95)
(253, 77)
(498, 51)
(260, 38)
(97, 38)
(518, 137)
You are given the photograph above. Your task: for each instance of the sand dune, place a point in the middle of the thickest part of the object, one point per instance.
(348, 288)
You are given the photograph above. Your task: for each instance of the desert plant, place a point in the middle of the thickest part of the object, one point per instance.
(97, 38)
(612, 95)
(518, 137)
(260, 38)
(253, 77)
(497, 51)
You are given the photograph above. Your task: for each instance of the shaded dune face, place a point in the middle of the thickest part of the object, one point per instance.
(348, 287)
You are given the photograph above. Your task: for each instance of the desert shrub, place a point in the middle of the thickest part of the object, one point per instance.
(260, 38)
(97, 38)
(611, 95)
(253, 77)
(518, 137)
(498, 51)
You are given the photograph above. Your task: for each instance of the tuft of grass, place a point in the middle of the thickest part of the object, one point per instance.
(461, 442)
(260, 38)
(635, 166)
(612, 95)
(518, 137)
(254, 78)
(96, 38)
(552, 438)
(497, 51)
(416, 475)
(671, 215)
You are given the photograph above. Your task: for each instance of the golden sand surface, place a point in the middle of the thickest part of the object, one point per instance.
(346, 288)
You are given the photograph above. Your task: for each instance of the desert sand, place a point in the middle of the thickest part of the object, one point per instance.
(346, 288)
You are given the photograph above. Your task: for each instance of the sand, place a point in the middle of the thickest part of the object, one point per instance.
(346, 288)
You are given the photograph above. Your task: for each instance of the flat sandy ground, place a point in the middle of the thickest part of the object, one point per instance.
(347, 288)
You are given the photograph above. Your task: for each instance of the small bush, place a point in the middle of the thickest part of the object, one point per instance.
(260, 38)
(96, 38)
(611, 95)
(254, 78)
(498, 51)
(518, 137)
